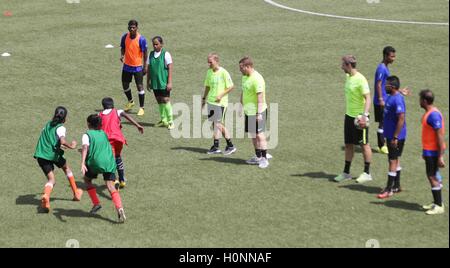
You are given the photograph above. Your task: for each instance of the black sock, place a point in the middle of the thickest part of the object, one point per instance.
(347, 167)
(141, 100)
(437, 196)
(380, 138)
(229, 143)
(128, 94)
(367, 167)
(120, 168)
(397, 180)
(216, 143)
(258, 153)
(264, 153)
(390, 182)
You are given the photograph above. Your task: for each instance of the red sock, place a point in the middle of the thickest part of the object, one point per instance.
(48, 189)
(73, 185)
(116, 199)
(93, 195)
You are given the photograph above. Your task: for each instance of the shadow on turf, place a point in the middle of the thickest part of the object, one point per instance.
(316, 175)
(400, 204)
(141, 123)
(77, 213)
(359, 150)
(191, 149)
(362, 188)
(32, 199)
(235, 161)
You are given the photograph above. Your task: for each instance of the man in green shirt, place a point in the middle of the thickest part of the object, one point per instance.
(357, 96)
(218, 85)
(97, 158)
(253, 99)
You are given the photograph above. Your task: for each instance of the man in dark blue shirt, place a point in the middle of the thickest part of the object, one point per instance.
(394, 129)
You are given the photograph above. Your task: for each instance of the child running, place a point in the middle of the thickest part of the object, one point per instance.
(49, 153)
(113, 128)
(97, 158)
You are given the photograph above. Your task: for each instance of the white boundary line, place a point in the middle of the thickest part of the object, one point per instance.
(355, 18)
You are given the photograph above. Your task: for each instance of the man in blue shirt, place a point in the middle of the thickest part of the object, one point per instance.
(380, 95)
(394, 127)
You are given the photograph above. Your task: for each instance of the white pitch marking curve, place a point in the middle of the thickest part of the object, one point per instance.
(273, 3)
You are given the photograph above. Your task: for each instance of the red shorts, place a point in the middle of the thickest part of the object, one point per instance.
(116, 148)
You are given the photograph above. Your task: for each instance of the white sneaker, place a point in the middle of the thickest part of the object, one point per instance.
(364, 177)
(263, 163)
(253, 161)
(269, 156)
(121, 215)
(435, 210)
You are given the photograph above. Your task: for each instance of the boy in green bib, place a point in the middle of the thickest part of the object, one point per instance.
(97, 158)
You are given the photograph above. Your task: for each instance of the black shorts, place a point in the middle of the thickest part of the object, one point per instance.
(254, 126)
(161, 93)
(127, 77)
(431, 165)
(107, 176)
(379, 113)
(47, 165)
(216, 113)
(395, 152)
(353, 135)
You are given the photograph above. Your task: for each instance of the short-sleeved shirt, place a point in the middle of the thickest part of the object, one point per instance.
(394, 106)
(381, 74)
(251, 86)
(356, 87)
(142, 48)
(434, 120)
(218, 82)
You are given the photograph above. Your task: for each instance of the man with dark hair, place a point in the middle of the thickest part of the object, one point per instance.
(394, 126)
(433, 144)
(134, 57)
(357, 95)
(380, 94)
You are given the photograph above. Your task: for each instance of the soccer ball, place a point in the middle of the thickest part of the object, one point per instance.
(358, 119)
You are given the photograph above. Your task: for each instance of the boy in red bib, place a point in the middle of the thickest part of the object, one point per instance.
(112, 126)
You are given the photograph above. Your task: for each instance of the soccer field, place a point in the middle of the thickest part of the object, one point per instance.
(177, 196)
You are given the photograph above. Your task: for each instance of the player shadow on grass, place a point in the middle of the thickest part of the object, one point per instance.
(61, 212)
(191, 149)
(316, 175)
(229, 160)
(359, 150)
(400, 204)
(33, 200)
(362, 188)
(144, 124)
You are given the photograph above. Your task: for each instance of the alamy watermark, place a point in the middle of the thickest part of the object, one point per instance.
(195, 124)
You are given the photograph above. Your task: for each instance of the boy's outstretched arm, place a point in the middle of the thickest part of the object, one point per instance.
(132, 121)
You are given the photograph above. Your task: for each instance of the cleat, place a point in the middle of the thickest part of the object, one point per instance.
(116, 184)
(122, 184)
(342, 177)
(95, 209)
(161, 124)
(263, 163)
(78, 194)
(121, 215)
(129, 106)
(397, 190)
(269, 156)
(435, 210)
(253, 161)
(385, 194)
(364, 177)
(45, 203)
(141, 112)
(229, 150)
(214, 150)
(383, 150)
(428, 207)
(170, 125)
